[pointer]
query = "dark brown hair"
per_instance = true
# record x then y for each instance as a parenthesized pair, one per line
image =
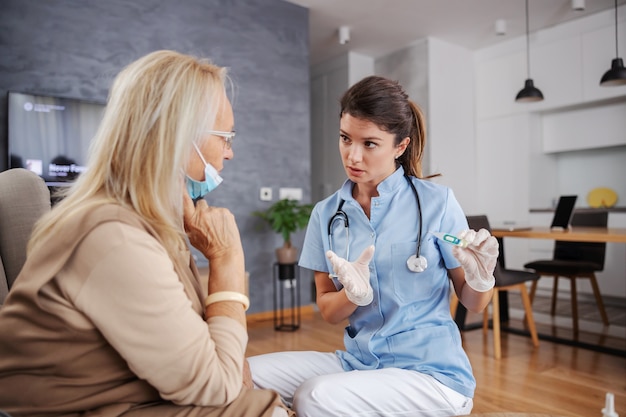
(384, 103)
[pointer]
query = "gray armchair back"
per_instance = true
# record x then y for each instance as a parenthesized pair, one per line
(24, 198)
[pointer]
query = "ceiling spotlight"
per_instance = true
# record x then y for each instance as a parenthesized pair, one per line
(344, 35)
(500, 27)
(578, 5)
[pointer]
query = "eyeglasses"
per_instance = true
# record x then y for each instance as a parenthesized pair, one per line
(227, 136)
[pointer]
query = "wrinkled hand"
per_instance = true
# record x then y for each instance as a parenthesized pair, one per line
(354, 276)
(211, 230)
(478, 259)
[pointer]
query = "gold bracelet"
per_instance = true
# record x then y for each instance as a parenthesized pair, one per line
(216, 297)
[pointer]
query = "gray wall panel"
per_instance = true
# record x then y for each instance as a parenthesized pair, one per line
(74, 48)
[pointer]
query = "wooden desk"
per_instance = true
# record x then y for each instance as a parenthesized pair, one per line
(575, 234)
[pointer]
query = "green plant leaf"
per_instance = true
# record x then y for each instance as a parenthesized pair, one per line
(286, 217)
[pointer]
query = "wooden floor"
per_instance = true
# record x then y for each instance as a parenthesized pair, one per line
(553, 379)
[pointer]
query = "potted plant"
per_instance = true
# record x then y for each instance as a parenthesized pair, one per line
(286, 217)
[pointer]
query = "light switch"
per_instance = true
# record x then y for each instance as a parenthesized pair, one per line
(290, 194)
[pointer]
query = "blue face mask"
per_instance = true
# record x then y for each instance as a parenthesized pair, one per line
(198, 189)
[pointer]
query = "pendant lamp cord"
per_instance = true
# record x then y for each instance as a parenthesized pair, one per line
(616, 49)
(528, 43)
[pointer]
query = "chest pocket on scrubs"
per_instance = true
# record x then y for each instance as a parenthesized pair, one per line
(410, 286)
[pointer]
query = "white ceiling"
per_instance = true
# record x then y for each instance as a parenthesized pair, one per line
(378, 27)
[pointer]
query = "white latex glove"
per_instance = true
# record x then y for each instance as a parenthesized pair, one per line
(478, 258)
(354, 276)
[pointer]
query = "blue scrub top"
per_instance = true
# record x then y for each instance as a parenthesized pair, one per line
(408, 325)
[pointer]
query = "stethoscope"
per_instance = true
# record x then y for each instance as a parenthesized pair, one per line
(415, 263)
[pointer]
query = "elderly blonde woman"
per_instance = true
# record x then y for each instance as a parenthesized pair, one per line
(108, 317)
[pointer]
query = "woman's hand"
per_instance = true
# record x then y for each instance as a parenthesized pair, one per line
(211, 230)
(354, 276)
(478, 258)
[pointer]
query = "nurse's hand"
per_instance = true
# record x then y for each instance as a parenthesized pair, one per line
(354, 276)
(478, 258)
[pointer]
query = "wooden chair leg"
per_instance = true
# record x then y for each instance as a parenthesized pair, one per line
(529, 314)
(555, 290)
(531, 297)
(486, 321)
(574, 299)
(495, 324)
(599, 302)
(533, 290)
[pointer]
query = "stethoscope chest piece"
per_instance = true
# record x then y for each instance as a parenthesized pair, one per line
(417, 263)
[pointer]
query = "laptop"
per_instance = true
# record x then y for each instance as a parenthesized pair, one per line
(563, 213)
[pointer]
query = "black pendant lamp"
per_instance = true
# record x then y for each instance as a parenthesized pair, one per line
(529, 93)
(617, 74)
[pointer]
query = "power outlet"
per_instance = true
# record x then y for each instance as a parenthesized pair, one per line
(265, 194)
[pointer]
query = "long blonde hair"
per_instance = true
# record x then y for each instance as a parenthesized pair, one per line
(157, 106)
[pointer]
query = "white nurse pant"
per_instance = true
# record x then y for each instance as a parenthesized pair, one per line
(316, 385)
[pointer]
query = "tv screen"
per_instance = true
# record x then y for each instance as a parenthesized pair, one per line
(51, 135)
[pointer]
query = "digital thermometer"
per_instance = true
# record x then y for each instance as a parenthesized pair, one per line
(451, 239)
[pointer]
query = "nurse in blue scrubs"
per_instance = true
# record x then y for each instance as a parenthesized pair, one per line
(378, 265)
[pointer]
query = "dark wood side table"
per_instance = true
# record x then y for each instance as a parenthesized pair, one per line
(286, 289)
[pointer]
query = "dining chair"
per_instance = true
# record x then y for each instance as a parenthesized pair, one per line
(573, 260)
(506, 279)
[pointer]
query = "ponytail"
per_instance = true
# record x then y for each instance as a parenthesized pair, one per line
(411, 159)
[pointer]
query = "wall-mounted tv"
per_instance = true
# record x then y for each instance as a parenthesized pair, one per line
(51, 135)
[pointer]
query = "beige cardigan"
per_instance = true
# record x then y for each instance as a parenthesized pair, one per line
(100, 319)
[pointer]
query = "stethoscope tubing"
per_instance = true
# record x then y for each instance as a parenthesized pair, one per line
(340, 214)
